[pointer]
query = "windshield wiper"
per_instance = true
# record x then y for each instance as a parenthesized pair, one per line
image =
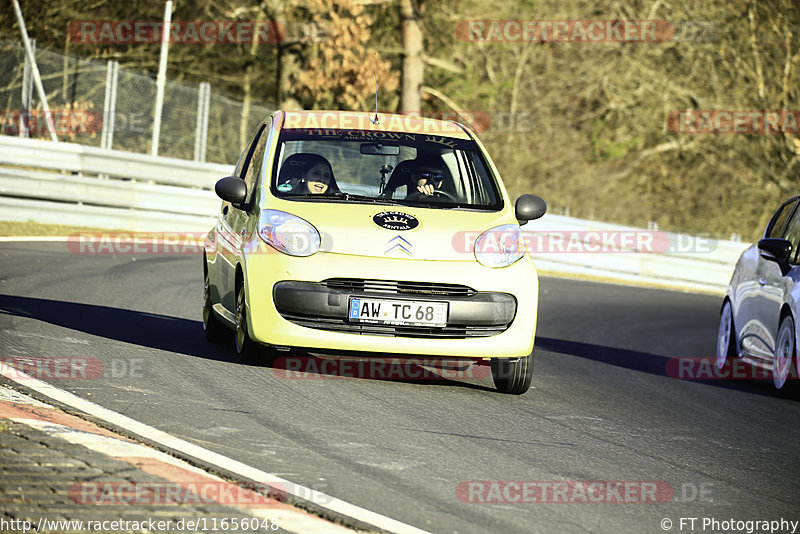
(422, 203)
(347, 197)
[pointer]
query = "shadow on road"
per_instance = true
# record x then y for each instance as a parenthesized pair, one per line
(701, 370)
(151, 330)
(185, 336)
(409, 369)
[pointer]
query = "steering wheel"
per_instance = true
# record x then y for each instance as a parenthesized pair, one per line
(444, 194)
(437, 193)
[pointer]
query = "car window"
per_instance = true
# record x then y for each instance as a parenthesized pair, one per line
(777, 224)
(244, 159)
(254, 168)
(793, 235)
(362, 168)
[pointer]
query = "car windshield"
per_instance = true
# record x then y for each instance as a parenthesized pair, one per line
(383, 167)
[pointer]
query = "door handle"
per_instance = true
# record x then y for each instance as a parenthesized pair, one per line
(762, 281)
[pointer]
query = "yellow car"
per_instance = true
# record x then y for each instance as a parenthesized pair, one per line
(380, 234)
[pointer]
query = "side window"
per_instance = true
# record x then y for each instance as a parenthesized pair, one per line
(778, 221)
(793, 235)
(254, 168)
(247, 153)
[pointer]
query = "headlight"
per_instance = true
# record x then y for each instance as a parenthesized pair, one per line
(288, 233)
(500, 247)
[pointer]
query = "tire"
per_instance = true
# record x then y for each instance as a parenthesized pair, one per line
(513, 375)
(726, 335)
(216, 332)
(250, 352)
(784, 352)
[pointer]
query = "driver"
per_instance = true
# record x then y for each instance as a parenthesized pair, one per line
(428, 178)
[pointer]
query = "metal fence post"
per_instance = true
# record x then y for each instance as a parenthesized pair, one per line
(110, 105)
(27, 94)
(201, 131)
(161, 79)
(37, 79)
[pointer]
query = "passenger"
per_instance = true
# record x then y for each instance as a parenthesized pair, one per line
(307, 174)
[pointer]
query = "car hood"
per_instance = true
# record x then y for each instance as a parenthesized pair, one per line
(391, 231)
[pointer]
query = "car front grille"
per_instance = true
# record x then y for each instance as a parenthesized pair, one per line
(398, 287)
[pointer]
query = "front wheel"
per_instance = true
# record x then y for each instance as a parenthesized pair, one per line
(248, 350)
(513, 375)
(784, 352)
(213, 327)
(726, 349)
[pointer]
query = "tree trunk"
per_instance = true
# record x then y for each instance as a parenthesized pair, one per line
(413, 66)
(247, 91)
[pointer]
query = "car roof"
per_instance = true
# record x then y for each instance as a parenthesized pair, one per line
(352, 120)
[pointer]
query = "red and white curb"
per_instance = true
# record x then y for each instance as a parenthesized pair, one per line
(26, 410)
(15, 406)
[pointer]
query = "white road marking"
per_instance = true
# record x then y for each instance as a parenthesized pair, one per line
(55, 239)
(300, 521)
(167, 440)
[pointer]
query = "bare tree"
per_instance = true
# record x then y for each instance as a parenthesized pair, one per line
(413, 65)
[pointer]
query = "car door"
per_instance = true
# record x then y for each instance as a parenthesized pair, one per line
(763, 310)
(779, 288)
(232, 223)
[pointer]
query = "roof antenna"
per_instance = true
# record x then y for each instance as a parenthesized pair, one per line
(376, 120)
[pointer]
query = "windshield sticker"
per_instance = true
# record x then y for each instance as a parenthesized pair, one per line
(283, 188)
(403, 138)
(446, 141)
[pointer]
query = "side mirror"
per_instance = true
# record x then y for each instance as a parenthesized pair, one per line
(529, 207)
(777, 250)
(231, 189)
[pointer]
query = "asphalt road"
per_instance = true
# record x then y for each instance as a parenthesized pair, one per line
(603, 406)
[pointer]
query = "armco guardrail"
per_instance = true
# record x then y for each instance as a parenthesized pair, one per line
(90, 160)
(63, 183)
(678, 260)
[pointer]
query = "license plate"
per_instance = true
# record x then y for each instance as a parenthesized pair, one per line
(398, 312)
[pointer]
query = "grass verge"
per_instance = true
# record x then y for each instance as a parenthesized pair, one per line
(29, 228)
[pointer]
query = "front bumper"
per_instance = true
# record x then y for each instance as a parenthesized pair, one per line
(293, 304)
(324, 305)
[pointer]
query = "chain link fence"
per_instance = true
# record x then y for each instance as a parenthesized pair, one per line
(76, 88)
